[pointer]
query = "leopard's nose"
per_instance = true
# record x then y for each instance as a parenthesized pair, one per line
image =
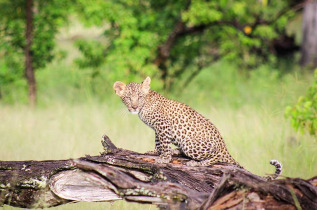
(134, 103)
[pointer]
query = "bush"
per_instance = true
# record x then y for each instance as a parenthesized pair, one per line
(304, 114)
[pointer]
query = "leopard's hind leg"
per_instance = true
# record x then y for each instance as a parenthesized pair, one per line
(214, 159)
(206, 162)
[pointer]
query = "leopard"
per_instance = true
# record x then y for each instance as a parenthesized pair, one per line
(176, 123)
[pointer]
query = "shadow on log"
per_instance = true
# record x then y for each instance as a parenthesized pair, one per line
(122, 174)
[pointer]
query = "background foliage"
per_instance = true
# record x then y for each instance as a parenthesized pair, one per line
(48, 17)
(238, 31)
(304, 114)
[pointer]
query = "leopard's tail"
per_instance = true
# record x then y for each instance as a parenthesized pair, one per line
(278, 169)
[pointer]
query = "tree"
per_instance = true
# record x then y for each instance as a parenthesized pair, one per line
(309, 42)
(176, 39)
(304, 114)
(29, 70)
(28, 29)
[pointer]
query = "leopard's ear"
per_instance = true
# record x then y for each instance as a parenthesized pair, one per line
(145, 86)
(119, 88)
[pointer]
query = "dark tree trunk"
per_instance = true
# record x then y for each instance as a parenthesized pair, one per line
(309, 43)
(164, 51)
(122, 174)
(29, 70)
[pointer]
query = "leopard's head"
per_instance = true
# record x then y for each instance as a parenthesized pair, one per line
(133, 94)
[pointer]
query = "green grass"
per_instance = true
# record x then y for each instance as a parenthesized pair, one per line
(63, 131)
(72, 116)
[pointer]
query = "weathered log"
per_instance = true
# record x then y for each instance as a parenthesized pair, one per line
(122, 174)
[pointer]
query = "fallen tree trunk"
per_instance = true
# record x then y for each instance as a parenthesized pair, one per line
(123, 174)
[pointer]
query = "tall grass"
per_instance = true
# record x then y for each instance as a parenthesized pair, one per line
(72, 116)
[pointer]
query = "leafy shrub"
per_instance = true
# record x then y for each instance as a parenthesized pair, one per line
(304, 114)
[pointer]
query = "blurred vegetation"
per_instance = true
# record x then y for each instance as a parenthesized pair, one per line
(304, 114)
(48, 17)
(168, 40)
(174, 40)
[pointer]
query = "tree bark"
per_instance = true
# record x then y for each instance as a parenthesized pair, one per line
(164, 51)
(29, 69)
(122, 174)
(309, 42)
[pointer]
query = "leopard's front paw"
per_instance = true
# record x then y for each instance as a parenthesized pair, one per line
(192, 163)
(163, 160)
(176, 152)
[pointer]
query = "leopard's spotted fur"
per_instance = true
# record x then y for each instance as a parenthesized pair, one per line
(176, 123)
